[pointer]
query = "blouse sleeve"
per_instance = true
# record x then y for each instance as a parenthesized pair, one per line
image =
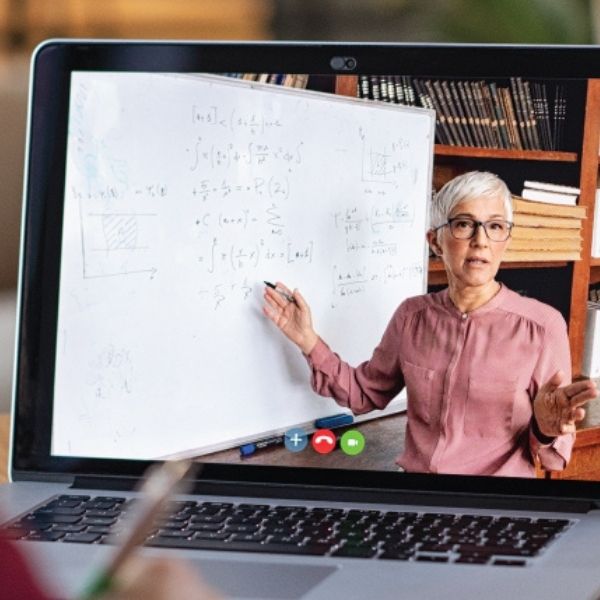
(371, 385)
(554, 355)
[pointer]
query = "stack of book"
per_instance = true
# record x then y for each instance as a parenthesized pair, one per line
(545, 231)
(516, 114)
(550, 192)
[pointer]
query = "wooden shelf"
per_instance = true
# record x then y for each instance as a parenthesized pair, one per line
(471, 152)
(595, 262)
(436, 265)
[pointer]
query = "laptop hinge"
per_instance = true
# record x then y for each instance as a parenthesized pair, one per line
(372, 496)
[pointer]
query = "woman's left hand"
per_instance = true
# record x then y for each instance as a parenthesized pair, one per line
(557, 407)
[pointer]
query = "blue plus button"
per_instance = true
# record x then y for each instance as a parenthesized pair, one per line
(296, 439)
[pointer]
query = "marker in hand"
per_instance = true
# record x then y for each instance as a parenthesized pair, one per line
(281, 292)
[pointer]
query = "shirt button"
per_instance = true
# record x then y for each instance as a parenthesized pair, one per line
(464, 316)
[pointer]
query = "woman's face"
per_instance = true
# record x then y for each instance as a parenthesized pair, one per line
(472, 262)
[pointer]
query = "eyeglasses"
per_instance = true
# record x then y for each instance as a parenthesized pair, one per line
(464, 228)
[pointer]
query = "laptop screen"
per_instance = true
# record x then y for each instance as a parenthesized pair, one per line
(360, 259)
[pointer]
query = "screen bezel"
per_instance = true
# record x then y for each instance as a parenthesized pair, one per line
(52, 64)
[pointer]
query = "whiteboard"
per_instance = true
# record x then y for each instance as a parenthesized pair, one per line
(182, 194)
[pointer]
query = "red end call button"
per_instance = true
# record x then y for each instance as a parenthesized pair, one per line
(323, 441)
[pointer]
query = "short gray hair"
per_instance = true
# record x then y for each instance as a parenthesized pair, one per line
(474, 184)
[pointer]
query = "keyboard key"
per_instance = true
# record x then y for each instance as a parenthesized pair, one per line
(68, 528)
(79, 498)
(102, 530)
(201, 544)
(248, 537)
(205, 526)
(211, 535)
(509, 562)
(356, 551)
(109, 514)
(432, 558)
(208, 518)
(60, 510)
(241, 528)
(98, 521)
(387, 555)
(45, 536)
(473, 559)
(82, 538)
(175, 534)
(49, 518)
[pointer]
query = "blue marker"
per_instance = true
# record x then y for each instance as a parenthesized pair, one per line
(335, 421)
(251, 448)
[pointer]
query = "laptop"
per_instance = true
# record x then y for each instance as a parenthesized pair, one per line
(158, 176)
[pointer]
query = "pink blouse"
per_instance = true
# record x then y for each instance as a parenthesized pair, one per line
(471, 379)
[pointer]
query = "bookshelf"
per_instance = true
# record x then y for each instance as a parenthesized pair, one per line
(583, 164)
(501, 153)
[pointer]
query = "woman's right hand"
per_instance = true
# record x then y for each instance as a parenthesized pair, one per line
(292, 318)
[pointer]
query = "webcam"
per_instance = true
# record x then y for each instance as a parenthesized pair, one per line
(343, 63)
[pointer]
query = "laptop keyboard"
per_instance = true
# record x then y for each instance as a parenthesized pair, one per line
(299, 530)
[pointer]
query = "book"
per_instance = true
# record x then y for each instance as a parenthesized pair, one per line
(552, 187)
(546, 221)
(480, 113)
(301, 80)
(544, 233)
(568, 244)
(590, 366)
(523, 205)
(550, 197)
(595, 251)
(540, 255)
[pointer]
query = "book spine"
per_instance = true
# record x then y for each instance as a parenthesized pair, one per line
(454, 113)
(485, 117)
(489, 108)
(399, 89)
(468, 113)
(409, 92)
(441, 127)
(512, 119)
(468, 92)
(526, 115)
(538, 107)
(500, 116)
(363, 86)
(375, 92)
(439, 94)
(531, 116)
(518, 113)
(383, 88)
(391, 90)
(462, 113)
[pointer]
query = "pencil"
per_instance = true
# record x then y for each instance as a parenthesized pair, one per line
(157, 489)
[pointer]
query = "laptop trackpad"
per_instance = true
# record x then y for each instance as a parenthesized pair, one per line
(262, 580)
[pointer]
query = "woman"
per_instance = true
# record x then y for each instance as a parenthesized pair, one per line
(487, 372)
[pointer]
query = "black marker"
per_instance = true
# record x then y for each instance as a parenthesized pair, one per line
(281, 292)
